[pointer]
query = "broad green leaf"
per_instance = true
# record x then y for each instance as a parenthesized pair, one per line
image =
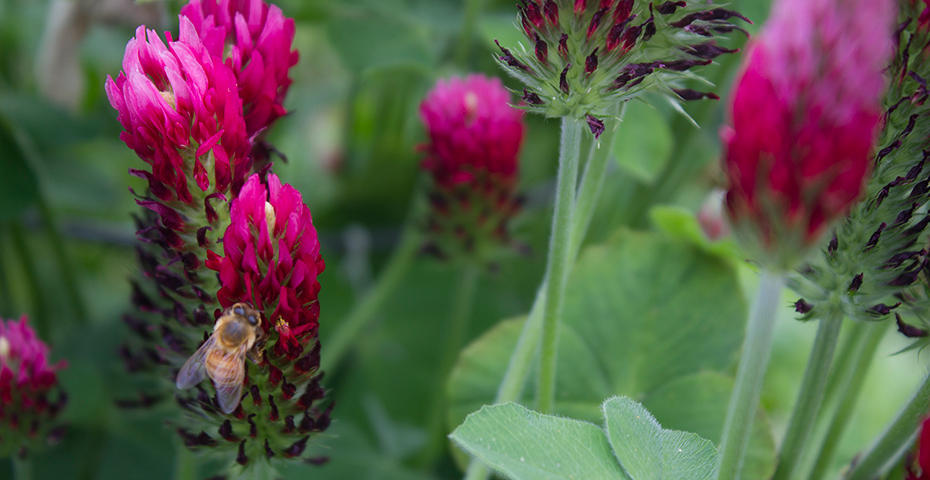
(644, 142)
(525, 445)
(646, 451)
(698, 403)
(642, 312)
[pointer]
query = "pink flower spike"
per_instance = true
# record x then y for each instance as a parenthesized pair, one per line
(256, 45)
(805, 112)
(176, 103)
(271, 236)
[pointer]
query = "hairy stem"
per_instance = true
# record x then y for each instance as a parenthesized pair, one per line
(810, 396)
(753, 362)
(511, 387)
(896, 439)
(558, 265)
(866, 336)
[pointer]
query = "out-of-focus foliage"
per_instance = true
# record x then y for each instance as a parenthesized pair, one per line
(66, 234)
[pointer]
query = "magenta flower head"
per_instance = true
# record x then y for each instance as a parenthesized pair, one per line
(472, 156)
(182, 115)
(30, 397)
(583, 56)
(255, 40)
(805, 114)
(917, 467)
(271, 262)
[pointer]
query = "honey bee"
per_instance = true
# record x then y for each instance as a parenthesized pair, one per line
(222, 356)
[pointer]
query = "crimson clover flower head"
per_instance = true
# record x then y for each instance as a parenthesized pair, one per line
(583, 56)
(472, 128)
(182, 115)
(255, 40)
(272, 260)
(805, 113)
(27, 382)
(472, 156)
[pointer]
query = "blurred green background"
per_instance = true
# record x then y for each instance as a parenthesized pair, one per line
(66, 234)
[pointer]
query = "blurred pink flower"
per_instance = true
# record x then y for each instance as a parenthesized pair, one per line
(923, 454)
(805, 113)
(182, 115)
(272, 260)
(26, 381)
(255, 40)
(473, 153)
(472, 128)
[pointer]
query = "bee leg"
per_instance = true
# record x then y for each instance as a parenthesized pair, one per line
(255, 355)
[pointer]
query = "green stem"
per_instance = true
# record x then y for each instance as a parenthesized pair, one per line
(470, 19)
(558, 265)
(6, 296)
(22, 468)
(511, 387)
(753, 362)
(896, 439)
(64, 263)
(39, 309)
(866, 336)
(185, 464)
(592, 181)
(458, 329)
(810, 396)
(367, 309)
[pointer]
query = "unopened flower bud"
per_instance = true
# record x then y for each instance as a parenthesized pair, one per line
(610, 34)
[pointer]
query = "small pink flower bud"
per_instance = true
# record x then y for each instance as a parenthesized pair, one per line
(475, 137)
(30, 397)
(805, 113)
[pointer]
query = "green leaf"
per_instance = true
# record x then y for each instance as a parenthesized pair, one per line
(644, 142)
(368, 39)
(642, 312)
(19, 187)
(648, 452)
(681, 223)
(524, 444)
(503, 28)
(698, 403)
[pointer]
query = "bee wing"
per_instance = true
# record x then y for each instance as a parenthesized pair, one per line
(228, 374)
(194, 371)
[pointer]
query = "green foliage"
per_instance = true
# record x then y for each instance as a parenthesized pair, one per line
(526, 445)
(646, 316)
